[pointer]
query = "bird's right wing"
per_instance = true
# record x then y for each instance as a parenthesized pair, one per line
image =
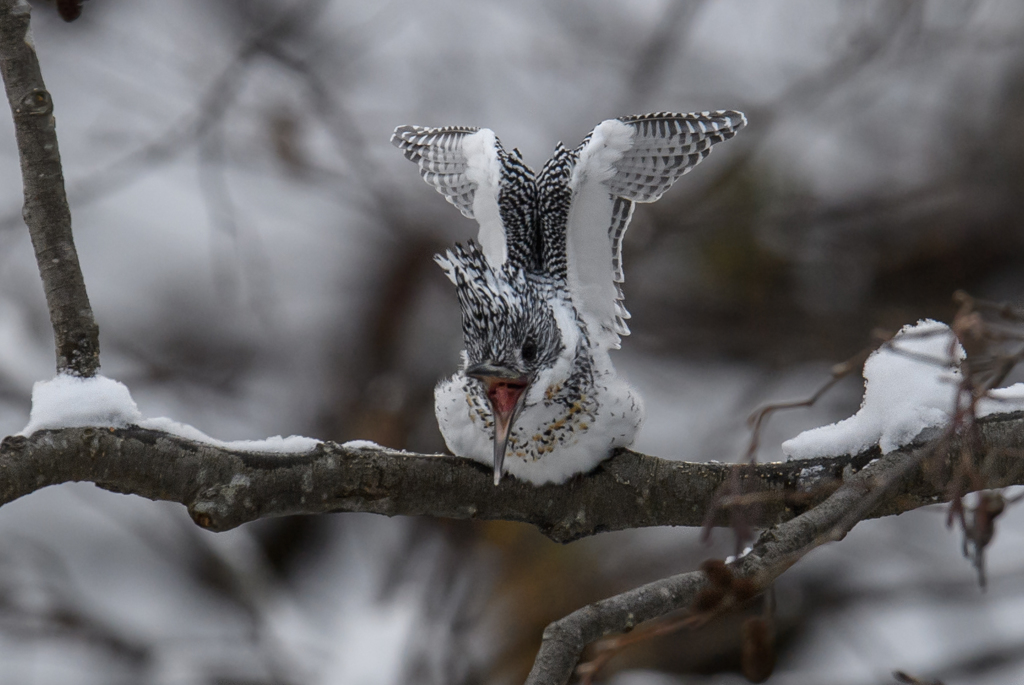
(473, 172)
(622, 162)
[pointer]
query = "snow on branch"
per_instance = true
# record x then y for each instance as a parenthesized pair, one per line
(224, 486)
(912, 383)
(90, 429)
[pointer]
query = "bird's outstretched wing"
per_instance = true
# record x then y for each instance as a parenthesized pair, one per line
(473, 172)
(624, 161)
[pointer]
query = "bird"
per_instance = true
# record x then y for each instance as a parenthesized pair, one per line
(540, 289)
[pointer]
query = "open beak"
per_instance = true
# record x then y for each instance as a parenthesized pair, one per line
(506, 393)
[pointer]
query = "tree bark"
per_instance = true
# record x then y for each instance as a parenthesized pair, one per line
(223, 488)
(46, 211)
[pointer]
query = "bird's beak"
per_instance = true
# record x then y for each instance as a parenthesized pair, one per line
(506, 393)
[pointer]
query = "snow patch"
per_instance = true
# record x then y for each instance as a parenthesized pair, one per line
(362, 445)
(733, 559)
(812, 472)
(810, 476)
(70, 402)
(909, 385)
(293, 444)
(1002, 400)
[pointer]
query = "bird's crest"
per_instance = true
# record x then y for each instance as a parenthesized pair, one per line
(503, 310)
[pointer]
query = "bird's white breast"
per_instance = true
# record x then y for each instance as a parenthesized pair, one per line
(553, 438)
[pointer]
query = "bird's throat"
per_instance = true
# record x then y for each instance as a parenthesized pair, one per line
(504, 396)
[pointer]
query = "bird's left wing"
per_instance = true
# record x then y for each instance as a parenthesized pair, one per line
(469, 167)
(624, 161)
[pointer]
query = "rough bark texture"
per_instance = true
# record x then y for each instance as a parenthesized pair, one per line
(223, 489)
(46, 207)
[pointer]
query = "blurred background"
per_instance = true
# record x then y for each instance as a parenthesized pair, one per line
(259, 260)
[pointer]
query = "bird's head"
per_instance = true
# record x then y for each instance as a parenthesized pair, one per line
(511, 334)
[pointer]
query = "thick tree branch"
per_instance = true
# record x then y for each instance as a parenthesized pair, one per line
(46, 207)
(224, 489)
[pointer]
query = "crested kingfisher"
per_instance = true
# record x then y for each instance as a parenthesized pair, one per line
(540, 290)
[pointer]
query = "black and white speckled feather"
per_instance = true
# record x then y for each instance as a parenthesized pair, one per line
(554, 201)
(541, 294)
(502, 310)
(438, 153)
(476, 174)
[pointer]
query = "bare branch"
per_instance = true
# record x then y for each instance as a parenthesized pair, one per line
(46, 206)
(776, 550)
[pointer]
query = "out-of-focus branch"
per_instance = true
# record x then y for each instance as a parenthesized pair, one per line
(46, 206)
(776, 550)
(182, 134)
(668, 39)
(224, 489)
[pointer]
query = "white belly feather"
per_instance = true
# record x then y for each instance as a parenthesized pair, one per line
(552, 439)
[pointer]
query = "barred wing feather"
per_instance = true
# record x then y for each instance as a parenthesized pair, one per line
(622, 162)
(464, 165)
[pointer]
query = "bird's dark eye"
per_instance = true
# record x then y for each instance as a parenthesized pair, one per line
(529, 351)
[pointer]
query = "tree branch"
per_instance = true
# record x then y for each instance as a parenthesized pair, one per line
(224, 489)
(884, 480)
(46, 207)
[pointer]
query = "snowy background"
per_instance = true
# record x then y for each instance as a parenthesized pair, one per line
(258, 258)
